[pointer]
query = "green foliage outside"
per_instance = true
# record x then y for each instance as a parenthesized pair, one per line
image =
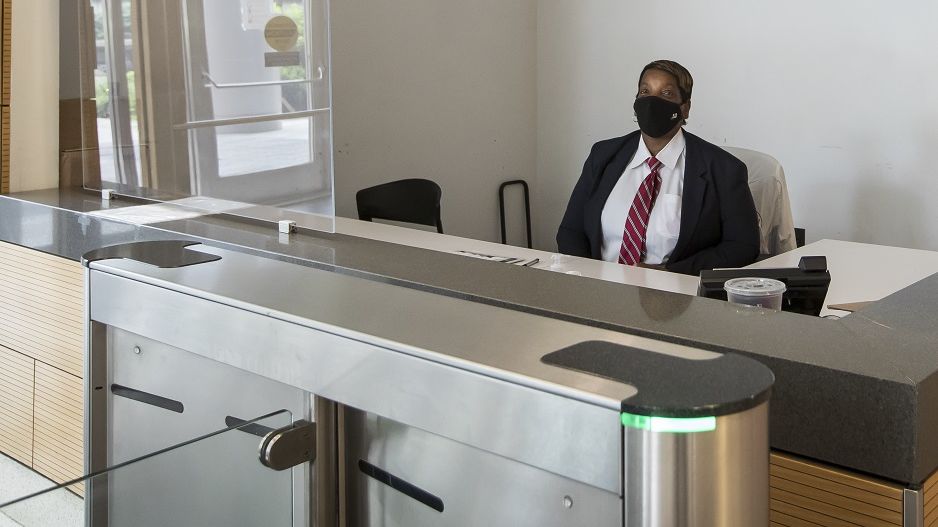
(101, 87)
(103, 95)
(294, 94)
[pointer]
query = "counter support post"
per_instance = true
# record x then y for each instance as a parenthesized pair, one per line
(913, 508)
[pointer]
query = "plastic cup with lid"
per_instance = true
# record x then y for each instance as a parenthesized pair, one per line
(757, 292)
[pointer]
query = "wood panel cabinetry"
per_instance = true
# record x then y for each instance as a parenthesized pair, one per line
(57, 424)
(43, 307)
(16, 405)
(806, 493)
(6, 35)
(930, 499)
(41, 350)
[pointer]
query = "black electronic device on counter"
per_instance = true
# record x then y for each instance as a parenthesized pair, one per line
(806, 285)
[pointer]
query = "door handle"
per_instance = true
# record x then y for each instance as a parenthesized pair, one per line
(210, 123)
(211, 83)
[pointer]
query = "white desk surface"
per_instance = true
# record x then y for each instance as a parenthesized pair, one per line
(859, 272)
(426, 239)
(611, 272)
(862, 272)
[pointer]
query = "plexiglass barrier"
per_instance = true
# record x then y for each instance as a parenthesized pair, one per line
(225, 100)
(213, 480)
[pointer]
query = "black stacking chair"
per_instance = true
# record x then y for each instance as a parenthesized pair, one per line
(407, 200)
(799, 237)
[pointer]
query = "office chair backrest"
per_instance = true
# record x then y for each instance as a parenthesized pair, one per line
(406, 200)
(770, 193)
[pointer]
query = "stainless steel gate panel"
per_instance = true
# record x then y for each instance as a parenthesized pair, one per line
(159, 396)
(212, 395)
(398, 475)
(209, 483)
(409, 389)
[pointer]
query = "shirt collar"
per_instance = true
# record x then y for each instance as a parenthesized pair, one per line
(668, 156)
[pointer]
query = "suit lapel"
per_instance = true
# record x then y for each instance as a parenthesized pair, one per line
(607, 182)
(695, 187)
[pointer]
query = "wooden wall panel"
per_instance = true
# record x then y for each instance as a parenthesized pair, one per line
(16, 405)
(58, 445)
(6, 15)
(42, 322)
(6, 54)
(804, 493)
(42, 316)
(4, 149)
(930, 490)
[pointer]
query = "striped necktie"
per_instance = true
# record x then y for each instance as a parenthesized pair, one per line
(636, 224)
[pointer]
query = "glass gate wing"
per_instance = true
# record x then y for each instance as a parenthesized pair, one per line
(219, 479)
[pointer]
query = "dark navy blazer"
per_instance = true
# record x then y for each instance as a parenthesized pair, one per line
(719, 225)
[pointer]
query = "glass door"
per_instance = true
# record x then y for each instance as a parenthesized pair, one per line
(258, 101)
(222, 100)
(115, 94)
(213, 480)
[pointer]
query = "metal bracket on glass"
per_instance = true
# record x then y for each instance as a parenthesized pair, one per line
(286, 226)
(289, 446)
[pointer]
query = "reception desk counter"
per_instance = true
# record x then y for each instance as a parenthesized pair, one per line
(856, 398)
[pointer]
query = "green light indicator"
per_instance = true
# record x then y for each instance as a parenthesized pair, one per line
(669, 424)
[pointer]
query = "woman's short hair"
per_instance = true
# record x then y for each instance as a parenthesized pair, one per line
(685, 83)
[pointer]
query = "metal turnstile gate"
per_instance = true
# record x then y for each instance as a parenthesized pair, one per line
(428, 410)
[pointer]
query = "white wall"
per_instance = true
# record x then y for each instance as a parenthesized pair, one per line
(471, 94)
(34, 95)
(842, 92)
(438, 89)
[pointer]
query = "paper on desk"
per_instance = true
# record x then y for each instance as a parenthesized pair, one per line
(501, 259)
(851, 306)
(181, 209)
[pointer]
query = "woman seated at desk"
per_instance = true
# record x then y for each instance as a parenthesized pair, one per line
(662, 197)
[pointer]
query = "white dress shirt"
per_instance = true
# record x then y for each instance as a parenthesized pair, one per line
(664, 224)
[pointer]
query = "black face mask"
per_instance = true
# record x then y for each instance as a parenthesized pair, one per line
(657, 116)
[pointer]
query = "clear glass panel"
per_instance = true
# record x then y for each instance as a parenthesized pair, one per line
(285, 145)
(102, 86)
(214, 480)
(117, 123)
(296, 153)
(225, 99)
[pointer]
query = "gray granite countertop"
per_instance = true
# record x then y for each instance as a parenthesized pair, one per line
(860, 392)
